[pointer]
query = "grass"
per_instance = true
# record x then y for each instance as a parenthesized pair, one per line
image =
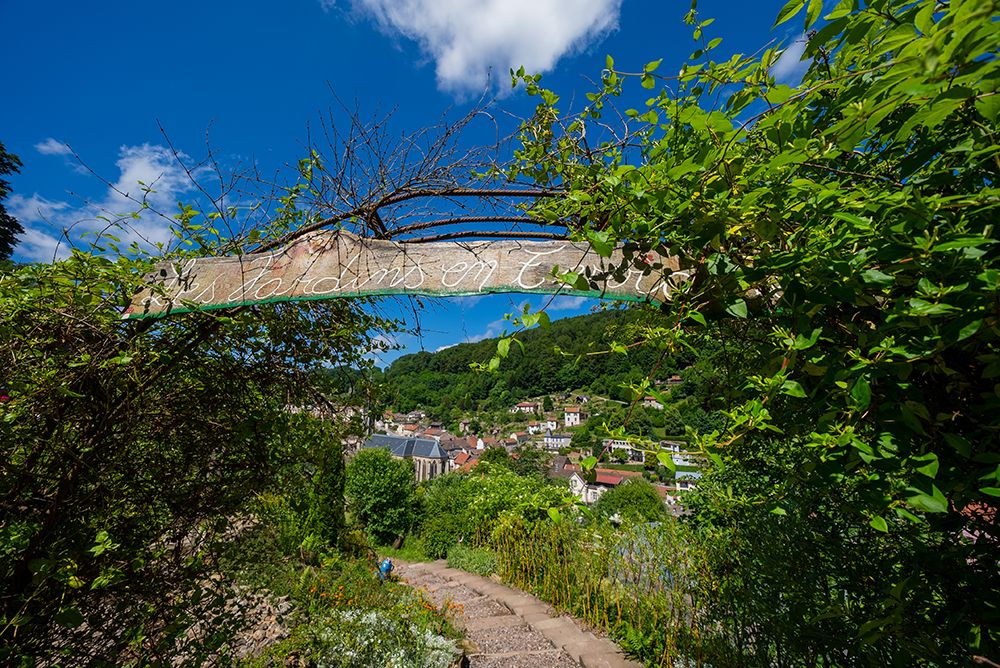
(412, 550)
(478, 560)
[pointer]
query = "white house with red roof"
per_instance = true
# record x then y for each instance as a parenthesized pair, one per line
(573, 416)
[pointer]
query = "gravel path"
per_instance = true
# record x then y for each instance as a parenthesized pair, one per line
(506, 628)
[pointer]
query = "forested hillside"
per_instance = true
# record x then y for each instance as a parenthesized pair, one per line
(565, 356)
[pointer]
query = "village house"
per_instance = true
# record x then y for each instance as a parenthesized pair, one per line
(465, 462)
(678, 452)
(408, 429)
(549, 424)
(686, 480)
(525, 407)
(627, 450)
(561, 467)
(651, 402)
(535, 427)
(429, 459)
(591, 492)
(573, 416)
(556, 441)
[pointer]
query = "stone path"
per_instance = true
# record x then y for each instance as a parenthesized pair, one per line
(507, 628)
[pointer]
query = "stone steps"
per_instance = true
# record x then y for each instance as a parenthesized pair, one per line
(507, 628)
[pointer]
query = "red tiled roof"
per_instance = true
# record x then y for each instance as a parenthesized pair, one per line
(607, 479)
(461, 458)
(572, 409)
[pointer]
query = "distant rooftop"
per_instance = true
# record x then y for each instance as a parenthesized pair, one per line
(406, 446)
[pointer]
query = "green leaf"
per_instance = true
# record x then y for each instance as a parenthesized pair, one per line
(503, 347)
(793, 389)
(815, 7)
(861, 394)
(778, 510)
(858, 222)
(963, 242)
(929, 469)
(878, 277)
(666, 460)
(779, 94)
(879, 524)
(788, 11)
(738, 309)
(600, 243)
(588, 463)
(992, 491)
(920, 307)
(554, 515)
(698, 318)
(929, 503)
(69, 617)
(969, 329)
(805, 342)
(961, 446)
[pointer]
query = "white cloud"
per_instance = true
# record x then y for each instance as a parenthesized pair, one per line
(44, 220)
(468, 40)
(790, 67)
(492, 330)
(53, 147)
(566, 303)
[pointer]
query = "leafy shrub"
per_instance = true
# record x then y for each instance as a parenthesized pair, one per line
(440, 533)
(382, 493)
(478, 560)
(635, 500)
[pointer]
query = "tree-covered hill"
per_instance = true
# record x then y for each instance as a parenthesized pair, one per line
(564, 356)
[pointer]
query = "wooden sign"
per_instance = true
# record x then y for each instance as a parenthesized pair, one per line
(329, 265)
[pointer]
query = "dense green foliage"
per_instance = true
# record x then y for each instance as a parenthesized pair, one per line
(466, 508)
(853, 216)
(634, 500)
(443, 382)
(128, 445)
(9, 227)
(381, 493)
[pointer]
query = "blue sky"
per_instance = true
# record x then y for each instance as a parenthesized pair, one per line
(253, 77)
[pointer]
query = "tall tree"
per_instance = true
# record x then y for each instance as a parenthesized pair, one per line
(9, 227)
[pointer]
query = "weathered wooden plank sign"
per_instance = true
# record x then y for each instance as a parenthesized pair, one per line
(327, 265)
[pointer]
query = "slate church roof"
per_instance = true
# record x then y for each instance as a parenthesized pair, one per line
(407, 446)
